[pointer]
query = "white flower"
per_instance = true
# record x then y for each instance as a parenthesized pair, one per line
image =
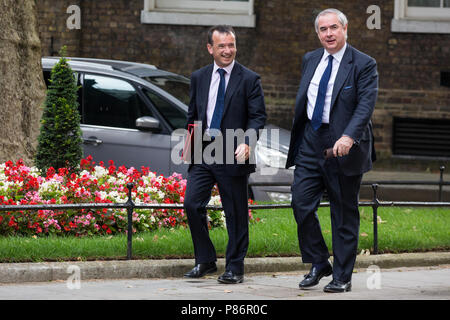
(49, 185)
(84, 172)
(222, 218)
(111, 180)
(102, 194)
(34, 171)
(214, 201)
(152, 190)
(100, 172)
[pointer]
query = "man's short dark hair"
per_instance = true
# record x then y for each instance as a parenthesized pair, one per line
(221, 29)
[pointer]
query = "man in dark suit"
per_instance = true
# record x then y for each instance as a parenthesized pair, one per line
(333, 107)
(224, 97)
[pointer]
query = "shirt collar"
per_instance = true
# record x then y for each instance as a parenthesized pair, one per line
(228, 68)
(337, 56)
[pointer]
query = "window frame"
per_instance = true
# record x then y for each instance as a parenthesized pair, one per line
(145, 92)
(135, 87)
(204, 6)
(420, 19)
(199, 12)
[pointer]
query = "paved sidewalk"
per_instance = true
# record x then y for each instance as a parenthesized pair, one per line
(424, 283)
(129, 269)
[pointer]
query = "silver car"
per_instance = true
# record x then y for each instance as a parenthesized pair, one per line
(129, 112)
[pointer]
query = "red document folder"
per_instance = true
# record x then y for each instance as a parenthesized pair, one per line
(186, 155)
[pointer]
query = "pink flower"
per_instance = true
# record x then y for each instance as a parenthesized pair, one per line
(26, 186)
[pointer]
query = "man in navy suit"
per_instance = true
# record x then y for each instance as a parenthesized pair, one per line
(224, 97)
(333, 108)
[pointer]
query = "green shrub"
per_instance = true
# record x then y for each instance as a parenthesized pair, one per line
(59, 142)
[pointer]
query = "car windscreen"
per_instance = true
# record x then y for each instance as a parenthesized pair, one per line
(176, 86)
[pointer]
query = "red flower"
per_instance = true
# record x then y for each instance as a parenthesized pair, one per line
(50, 172)
(11, 222)
(111, 169)
(63, 171)
(84, 189)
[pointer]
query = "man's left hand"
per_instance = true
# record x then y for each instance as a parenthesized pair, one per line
(242, 152)
(342, 146)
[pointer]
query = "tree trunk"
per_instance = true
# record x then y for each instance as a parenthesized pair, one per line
(22, 88)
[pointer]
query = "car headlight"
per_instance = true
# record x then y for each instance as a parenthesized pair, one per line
(280, 196)
(269, 157)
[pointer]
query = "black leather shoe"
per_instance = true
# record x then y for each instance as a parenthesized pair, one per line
(230, 277)
(338, 286)
(201, 269)
(314, 276)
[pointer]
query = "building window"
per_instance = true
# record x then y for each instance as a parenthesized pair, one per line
(421, 138)
(421, 16)
(238, 13)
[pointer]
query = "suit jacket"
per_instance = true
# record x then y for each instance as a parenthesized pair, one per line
(244, 108)
(352, 103)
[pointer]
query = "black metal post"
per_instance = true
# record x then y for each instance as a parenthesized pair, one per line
(375, 205)
(441, 182)
(130, 207)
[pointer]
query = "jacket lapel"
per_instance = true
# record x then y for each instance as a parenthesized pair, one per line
(233, 84)
(344, 69)
(309, 72)
(205, 83)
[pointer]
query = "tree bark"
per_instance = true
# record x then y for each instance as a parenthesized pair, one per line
(22, 88)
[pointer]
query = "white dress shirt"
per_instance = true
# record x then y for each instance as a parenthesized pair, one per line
(314, 84)
(214, 88)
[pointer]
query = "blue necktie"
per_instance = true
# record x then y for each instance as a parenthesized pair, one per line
(218, 109)
(316, 120)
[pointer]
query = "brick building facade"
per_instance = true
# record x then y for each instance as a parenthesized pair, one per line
(413, 67)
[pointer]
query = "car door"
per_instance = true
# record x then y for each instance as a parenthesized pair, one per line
(176, 119)
(110, 107)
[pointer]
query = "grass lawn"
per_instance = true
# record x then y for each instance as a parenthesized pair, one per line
(399, 230)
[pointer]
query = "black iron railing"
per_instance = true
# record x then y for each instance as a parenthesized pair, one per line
(440, 183)
(129, 205)
(376, 203)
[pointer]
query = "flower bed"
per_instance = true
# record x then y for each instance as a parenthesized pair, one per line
(22, 185)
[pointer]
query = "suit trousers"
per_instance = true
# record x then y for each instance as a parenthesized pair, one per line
(313, 174)
(234, 197)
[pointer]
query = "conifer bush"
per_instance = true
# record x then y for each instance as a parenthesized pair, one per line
(59, 141)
